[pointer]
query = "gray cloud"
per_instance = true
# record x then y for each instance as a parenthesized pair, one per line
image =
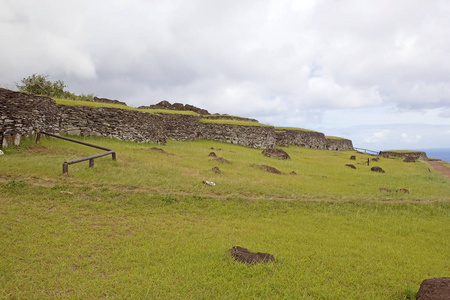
(288, 62)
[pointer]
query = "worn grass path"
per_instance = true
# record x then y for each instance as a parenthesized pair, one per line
(439, 167)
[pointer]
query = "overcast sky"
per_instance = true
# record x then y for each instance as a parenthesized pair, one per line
(376, 72)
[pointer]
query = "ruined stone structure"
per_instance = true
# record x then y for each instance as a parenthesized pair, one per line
(23, 114)
(411, 154)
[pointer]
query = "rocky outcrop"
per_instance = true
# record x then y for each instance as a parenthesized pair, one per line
(106, 100)
(176, 106)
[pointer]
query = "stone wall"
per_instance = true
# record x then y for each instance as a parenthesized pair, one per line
(415, 154)
(338, 144)
(22, 114)
(260, 137)
(115, 123)
(308, 139)
(181, 127)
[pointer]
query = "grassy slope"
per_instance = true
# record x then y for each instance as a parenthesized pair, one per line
(145, 227)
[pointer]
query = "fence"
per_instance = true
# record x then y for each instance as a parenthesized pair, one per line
(366, 151)
(91, 158)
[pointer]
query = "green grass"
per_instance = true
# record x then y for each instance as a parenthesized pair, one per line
(292, 128)
(69, 102)
(145, 226)
(233, 122)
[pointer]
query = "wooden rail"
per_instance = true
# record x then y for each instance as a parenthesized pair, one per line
(91, 158)
(366, 151)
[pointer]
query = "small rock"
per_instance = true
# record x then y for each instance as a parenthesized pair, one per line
(222, 160)
(269, 169)
(410, 159)
(377, 169)
(244, 256)
(212, 154)
(276, 153)
(293, 173)
(1, 152)
(402, 191)
(216, 170)
(353, 157)
(350, 166)
(437, 288)
(375, 159)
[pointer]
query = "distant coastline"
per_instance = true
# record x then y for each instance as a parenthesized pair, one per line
(440, 153)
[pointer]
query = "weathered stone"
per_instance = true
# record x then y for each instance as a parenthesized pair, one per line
(276, 153)
(377, 169)
(375, 159)
(350, 166)
(293, 173)
(417, 154)
(216, 170)
(410, 159)
(402, 191)
(338, 144)
(353, 157)
(244, 256)
(308, 139)
(212, 154)
(269, 169)
(437, 288)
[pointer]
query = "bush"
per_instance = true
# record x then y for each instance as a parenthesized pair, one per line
(40, 85)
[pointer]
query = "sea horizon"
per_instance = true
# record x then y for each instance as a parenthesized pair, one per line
(439, 153)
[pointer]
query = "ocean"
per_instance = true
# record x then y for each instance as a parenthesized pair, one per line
(441, 153)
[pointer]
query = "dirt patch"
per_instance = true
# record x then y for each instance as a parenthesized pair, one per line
(222, 160)
(161, 151)
(439, 167)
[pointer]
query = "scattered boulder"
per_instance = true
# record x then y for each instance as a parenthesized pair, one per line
(293, 173)
(377, 169)
(222, 160)
(385, 190)
(276, 153)
(375, 159)
(269, 169)
(216, 170)
(353, 157)
(402, 191)
(437, 288)
(350, 166)
(212, 154)
(244, 256)
(410, 159)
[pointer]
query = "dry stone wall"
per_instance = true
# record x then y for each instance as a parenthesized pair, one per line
(260, 137)
(338, 144)
(308, 139)
(115, 123)
(22, 114)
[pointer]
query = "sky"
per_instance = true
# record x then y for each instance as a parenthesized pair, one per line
(375, 72)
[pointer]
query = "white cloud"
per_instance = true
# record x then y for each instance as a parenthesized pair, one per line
(316, 64)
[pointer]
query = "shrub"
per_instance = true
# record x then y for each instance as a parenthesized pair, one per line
(40, 85)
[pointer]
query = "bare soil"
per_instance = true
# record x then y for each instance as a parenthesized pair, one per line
(439, 167)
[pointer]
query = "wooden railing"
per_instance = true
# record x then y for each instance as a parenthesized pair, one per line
(65, 166)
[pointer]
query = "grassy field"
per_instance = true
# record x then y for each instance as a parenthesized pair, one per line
(145, 226)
